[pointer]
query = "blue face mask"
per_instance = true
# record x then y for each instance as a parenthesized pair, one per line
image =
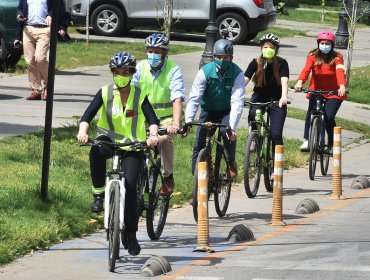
(222, 64)
(325, 48)
(154, 59)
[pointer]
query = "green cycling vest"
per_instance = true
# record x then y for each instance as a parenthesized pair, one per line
(126, 125)
(217, 94)
(158, 90)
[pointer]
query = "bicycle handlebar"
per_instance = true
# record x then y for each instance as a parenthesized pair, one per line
(263, 104)
(137, 145)
(207, 125)
(319, 91)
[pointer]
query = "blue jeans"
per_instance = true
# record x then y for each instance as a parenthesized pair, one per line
(200, 141)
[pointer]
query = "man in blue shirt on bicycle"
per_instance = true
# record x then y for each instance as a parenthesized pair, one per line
(219, 89)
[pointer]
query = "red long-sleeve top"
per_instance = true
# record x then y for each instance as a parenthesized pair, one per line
(324, 76)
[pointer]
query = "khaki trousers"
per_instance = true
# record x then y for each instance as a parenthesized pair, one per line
(166, 148)
(35, 50)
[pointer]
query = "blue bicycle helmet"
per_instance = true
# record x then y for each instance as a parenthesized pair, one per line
(157, 40)
(122, 59)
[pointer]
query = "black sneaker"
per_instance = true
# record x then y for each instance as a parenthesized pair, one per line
(97, 205)
(133, 245)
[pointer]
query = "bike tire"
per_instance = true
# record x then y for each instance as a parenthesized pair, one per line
(314, 146)
(222, 196)
(158, 205)
(202, 156)
(324, 157)
(113, 227)
(268, 167)
(252, 167)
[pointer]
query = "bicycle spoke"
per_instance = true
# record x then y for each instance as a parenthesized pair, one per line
(222, 196)
(252, 167)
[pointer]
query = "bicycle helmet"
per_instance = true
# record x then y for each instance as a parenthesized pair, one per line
(157, 40)
(326, 35)
(270, 38)
(223, 47)
(122, 59)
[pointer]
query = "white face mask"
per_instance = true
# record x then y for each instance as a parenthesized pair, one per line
(325, 48)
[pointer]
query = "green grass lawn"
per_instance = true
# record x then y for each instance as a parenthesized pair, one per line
(76, 53)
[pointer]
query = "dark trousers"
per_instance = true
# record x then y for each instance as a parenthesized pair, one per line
(277, 119)
(331, 108)
(132, 163)
(200, 141)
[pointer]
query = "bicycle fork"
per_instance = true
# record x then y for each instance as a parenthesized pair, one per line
(107, 193)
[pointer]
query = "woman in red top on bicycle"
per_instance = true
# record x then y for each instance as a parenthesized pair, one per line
(327, 69)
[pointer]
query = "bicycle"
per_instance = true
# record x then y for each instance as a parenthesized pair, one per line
(318, 139)
(114, 197)
(218, 168)
(149, 198)
(259, 150)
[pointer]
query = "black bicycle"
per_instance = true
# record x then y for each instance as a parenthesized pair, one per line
(218, 168)
(318, 138)
(259, 152)
(149, 198)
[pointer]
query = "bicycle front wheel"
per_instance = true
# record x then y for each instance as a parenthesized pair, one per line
(222, 196)
(314, 146)
(113, 226)
(252, 167)
(158, 205)
(268, 167)
(203, 156)
(325, 156)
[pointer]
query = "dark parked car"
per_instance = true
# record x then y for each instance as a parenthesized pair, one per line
(9, 55)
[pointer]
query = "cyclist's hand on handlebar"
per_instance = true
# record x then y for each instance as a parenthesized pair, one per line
(298, 86)
(185, 130)
(341, 90)
(233, 135)
(283, 102)
(82, 138)
(173, 128)
(152, 141)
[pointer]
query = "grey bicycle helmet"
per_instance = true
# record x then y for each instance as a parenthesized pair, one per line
(157, 40)
(270, 38)
(223, 47)
(122, 59)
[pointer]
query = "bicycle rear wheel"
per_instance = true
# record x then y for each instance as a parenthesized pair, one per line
(325, 156)
(268, 167)
(252, 167)
(314, 146)
(158, 205)
(113, 226)
(222, 195)
(202, 156)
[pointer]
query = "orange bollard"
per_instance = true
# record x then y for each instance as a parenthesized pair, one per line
(337, 165)
(203, 222)
(277, 207)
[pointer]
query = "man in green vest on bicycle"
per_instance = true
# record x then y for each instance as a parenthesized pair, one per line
(219, 89)
(163, 81)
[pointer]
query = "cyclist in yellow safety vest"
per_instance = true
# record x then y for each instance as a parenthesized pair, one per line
(123, 109)
(163, 81)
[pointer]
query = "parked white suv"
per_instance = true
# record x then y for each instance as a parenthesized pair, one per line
(243, 19)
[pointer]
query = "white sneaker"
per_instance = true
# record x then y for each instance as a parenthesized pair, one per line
(304, 147)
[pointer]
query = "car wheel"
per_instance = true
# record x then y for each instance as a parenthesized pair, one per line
(107, 20)
(234, 25)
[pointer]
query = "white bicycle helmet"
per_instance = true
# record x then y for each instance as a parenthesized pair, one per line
(270, 38)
